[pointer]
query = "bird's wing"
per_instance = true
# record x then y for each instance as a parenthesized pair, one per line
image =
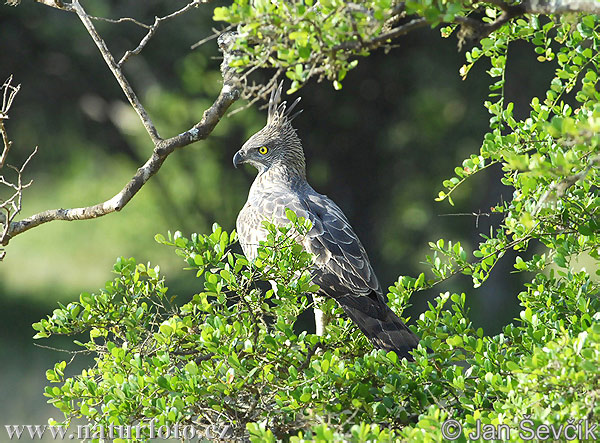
(342, 265)
(343, 270)
(344, 273)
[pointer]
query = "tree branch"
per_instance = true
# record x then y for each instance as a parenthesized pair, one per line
(561, 6)
(560, 187)
(116, 70)
(152, 29)
(122, 20)
(230, 92)
(383, 38)
(474, 30)
(10, 207)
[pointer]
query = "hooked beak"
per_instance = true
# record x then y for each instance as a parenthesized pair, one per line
(238, 159)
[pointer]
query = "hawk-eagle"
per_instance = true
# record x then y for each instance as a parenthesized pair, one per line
(342, 268)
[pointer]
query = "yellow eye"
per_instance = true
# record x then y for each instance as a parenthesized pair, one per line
(263, 150)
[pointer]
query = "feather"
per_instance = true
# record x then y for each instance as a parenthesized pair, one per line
(278, 112)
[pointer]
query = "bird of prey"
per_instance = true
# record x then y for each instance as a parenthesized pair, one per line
(342, 269)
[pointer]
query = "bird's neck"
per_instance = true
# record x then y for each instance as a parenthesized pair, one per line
(279, 175)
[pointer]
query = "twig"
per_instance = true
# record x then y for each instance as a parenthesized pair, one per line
(121, 20)
(215, 34)
(6, 142)
(477, 215)
(258, 92)
(383, 38)
(8, 95)
(10, 207)
(152, 29)
(116, 70)
(309, 355)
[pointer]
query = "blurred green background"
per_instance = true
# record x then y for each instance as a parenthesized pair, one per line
(380, 148)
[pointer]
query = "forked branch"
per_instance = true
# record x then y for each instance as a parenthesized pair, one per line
(230, 92)
(152, 28)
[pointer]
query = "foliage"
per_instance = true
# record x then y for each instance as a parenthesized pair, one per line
(322, 39)
(231, 359)
(230, 356)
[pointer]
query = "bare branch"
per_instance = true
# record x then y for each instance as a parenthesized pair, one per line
(8, 95)
(116, 70)
(214, 35)
(10, 207)
(152, 29)
(121, 20)
(230, 92)
(163, 148)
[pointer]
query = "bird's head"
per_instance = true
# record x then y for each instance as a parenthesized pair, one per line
(277, 144)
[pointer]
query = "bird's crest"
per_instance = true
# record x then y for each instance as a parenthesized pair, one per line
(279, 113)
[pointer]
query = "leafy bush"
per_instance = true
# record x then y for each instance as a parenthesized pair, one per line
(230, 358)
